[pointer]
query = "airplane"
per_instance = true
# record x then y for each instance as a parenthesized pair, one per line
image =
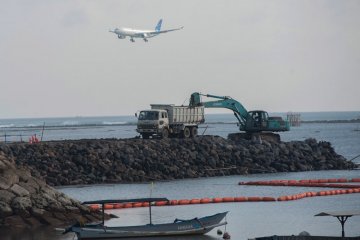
(144, 34)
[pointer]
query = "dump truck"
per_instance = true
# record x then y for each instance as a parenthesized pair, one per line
(168, 120)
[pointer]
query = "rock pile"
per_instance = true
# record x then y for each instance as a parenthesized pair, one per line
(28, 202)
(137, 160)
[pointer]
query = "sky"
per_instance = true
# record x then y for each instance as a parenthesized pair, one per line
(58, 58)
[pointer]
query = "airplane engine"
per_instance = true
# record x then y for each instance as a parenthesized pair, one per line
(121, 37)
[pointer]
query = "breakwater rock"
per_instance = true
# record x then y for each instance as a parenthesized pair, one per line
(137, 160)
(29, 202)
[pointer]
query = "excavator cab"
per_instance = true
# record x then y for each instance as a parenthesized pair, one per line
(257, 121)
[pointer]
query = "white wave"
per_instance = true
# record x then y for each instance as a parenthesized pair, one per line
(70, 123)
(33, 125)
(7, 125)
(113, 123)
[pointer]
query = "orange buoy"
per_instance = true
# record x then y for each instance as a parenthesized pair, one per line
(240, 199)
(332, 180)
(183, 201)
(145, 204)
(349, 190)
(313, 181)
(292, 182)
(356, 190)
(282, 198)
(94, 207)
(228, 199)
(268, 199)
(323, 180)
(137, 204)
(108, 206)
(195, 201)
(322, 193)
(342, 180)
(254, 199)
(355, 180)
(127, 205)
(274, 181)
(174, 202)
(205, 200)
(289, 198)
(217, 200)
(308, 194)
(343, 191)
(117, 205)
(161, 203)
(304, 181)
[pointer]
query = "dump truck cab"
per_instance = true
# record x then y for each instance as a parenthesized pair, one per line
(153, 122)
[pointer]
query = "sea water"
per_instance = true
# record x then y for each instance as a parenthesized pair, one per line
(246, 219)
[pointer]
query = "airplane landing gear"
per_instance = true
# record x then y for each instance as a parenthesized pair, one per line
(132, 40)
(145, 40)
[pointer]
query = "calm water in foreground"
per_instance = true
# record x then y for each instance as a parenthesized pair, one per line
(245, 220)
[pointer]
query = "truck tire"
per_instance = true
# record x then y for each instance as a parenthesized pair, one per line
(186, 133)
(145, 135)
(165, 133)
(194, 132)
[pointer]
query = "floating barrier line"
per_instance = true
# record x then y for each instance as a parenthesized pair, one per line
(328, 183)
(228, 199)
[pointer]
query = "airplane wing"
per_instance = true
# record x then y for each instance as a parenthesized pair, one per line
(165, 31)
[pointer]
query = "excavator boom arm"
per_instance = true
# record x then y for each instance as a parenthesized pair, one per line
(239, 110)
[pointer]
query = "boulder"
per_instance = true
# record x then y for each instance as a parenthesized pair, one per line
(28, 202)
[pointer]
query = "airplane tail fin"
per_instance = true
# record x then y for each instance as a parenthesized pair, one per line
(158, 26)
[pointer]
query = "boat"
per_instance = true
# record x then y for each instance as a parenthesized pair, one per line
(195, 226)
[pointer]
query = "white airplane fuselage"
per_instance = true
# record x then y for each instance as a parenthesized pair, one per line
(134, 33)
(124, 32)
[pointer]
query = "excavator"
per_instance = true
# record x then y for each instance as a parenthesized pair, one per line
(254, 123)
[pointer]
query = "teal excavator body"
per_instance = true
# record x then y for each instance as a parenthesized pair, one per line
(251, 122)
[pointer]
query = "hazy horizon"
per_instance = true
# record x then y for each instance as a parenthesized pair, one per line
(355, 113)
(58, 58)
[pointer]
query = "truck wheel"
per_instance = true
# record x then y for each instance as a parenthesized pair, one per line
(145, 136)
(165, 133)
(186, 133)
(194, 132)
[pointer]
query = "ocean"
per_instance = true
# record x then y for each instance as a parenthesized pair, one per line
(245, 220)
